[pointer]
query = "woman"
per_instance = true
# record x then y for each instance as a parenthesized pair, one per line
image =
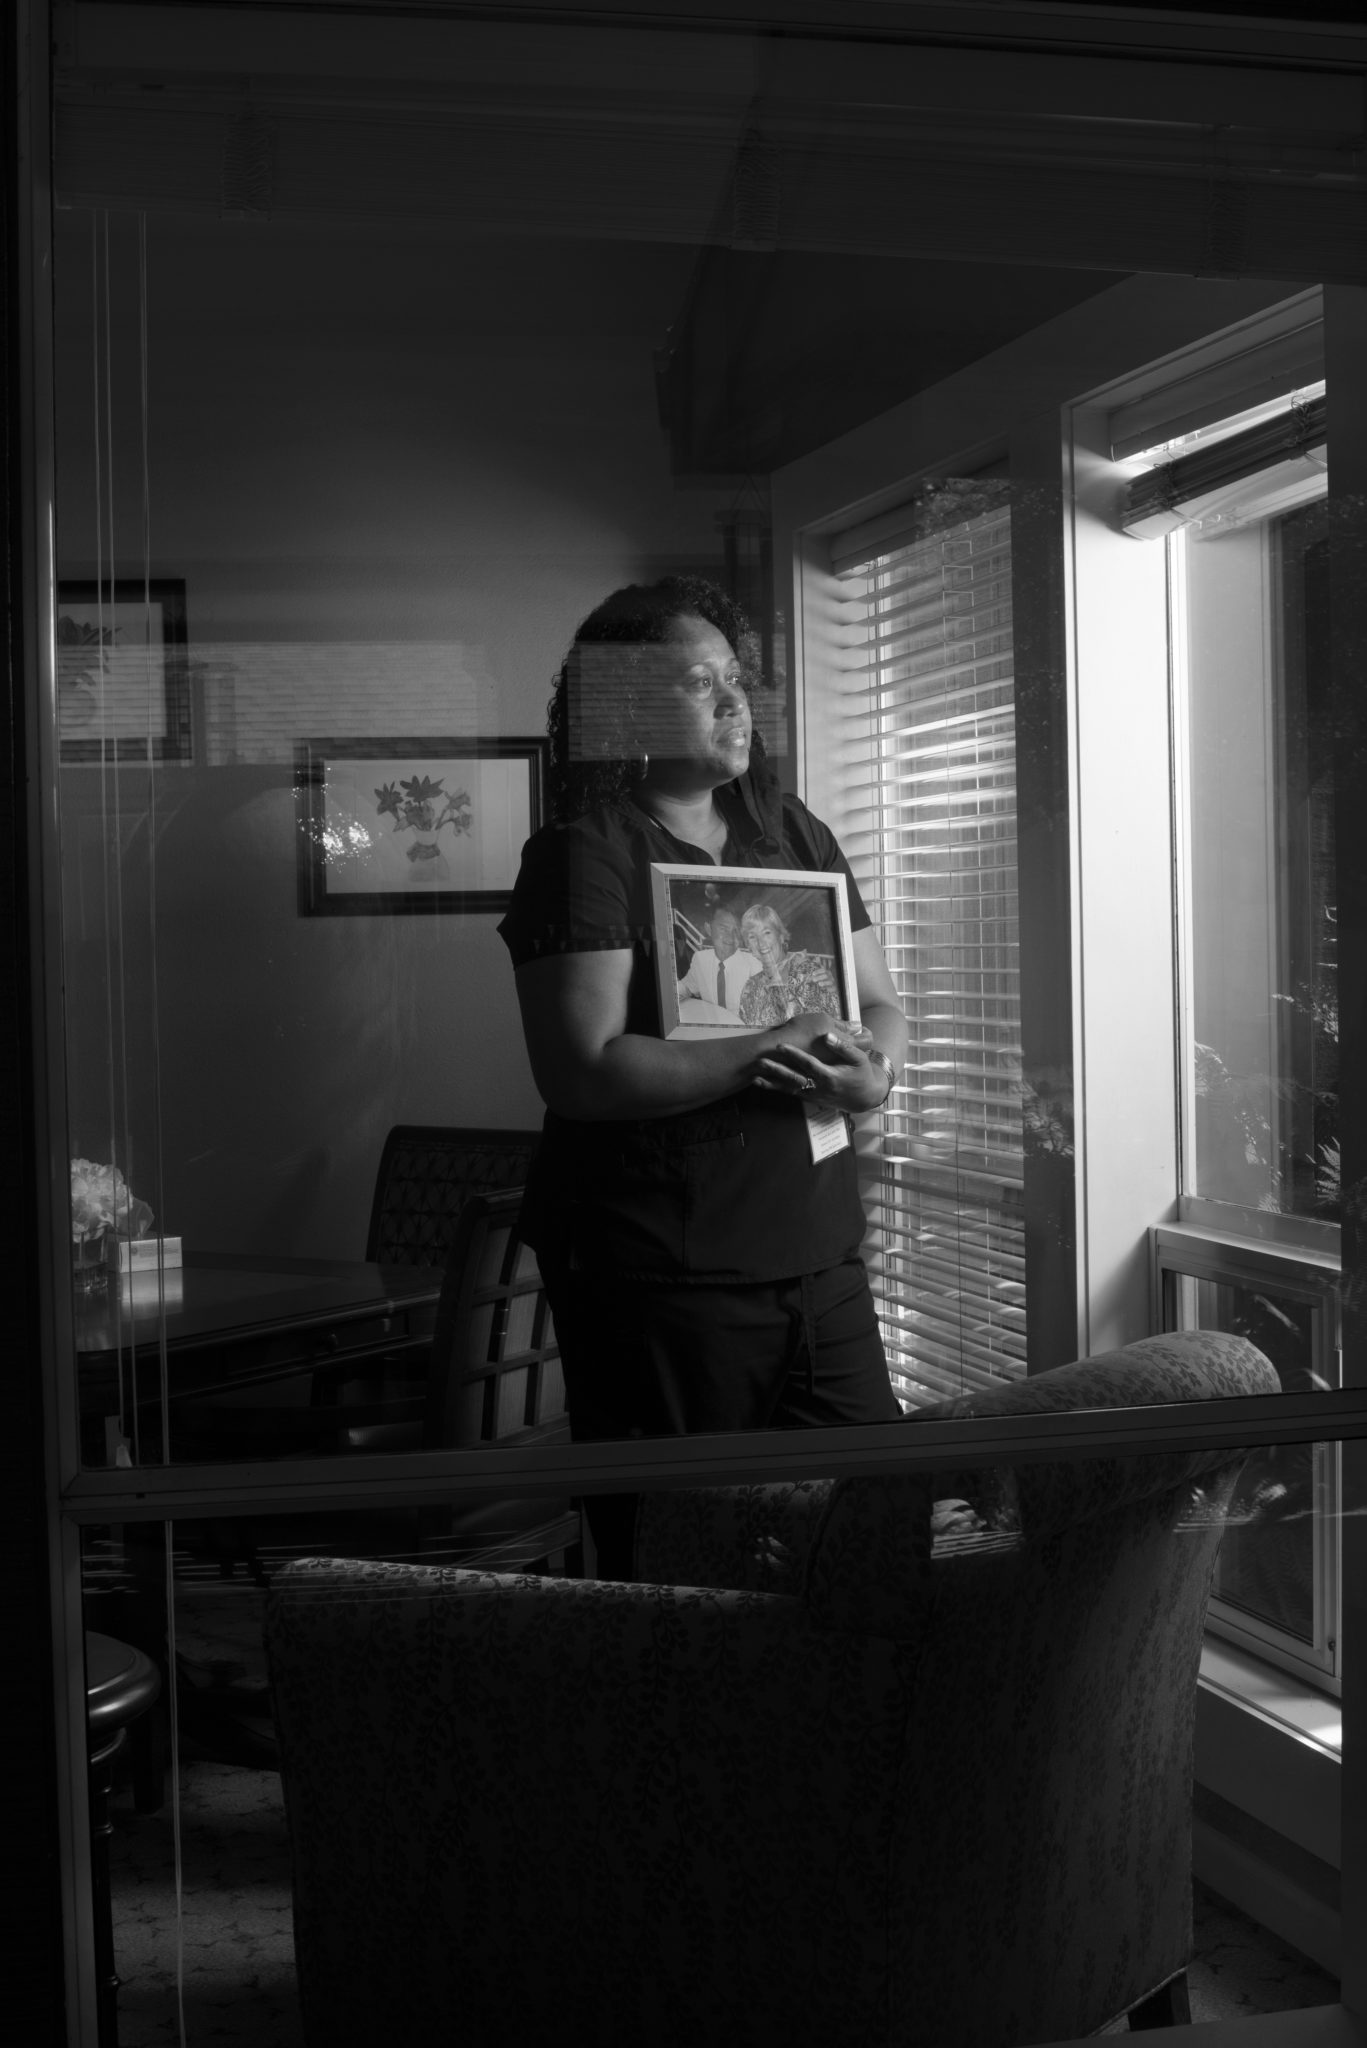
(788, 983)
(702, 1265)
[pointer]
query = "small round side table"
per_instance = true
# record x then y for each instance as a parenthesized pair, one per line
(120, 1684)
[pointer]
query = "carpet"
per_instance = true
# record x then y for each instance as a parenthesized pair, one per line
(239, 1961)
(237, 1930)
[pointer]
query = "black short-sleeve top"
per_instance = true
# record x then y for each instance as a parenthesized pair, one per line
(724, 1193)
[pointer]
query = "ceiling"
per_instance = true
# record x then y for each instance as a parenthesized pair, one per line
(776, 353)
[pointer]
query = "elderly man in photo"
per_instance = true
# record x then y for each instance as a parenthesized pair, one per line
(717, 973)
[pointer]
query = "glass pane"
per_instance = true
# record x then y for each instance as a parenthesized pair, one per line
(1268, 1569)
(1276, 1584)
(373, 388)
(479, 1754)
(341, 467)
(1263, 1057)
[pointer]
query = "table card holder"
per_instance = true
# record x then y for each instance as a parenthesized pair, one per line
(135, 1255)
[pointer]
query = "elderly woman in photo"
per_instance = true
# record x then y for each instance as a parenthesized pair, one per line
(701, 1263)
(788, 983)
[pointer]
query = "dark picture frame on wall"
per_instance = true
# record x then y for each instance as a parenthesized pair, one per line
(399, 827)
(123, 671)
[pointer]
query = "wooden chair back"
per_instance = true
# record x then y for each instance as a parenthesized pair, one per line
(496, 1379)
(426, 1174)
(496, 1375)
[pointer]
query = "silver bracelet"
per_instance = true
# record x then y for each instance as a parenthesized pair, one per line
(880, 1059)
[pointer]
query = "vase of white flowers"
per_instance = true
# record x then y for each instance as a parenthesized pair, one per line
(103, 1209)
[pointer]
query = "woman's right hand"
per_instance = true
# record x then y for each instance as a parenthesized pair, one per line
(589, 1067)
(808, 1032)
(810, 1029)
(817, 1057)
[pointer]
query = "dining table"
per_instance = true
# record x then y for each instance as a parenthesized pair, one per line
(225, 1323)
(166, 1357)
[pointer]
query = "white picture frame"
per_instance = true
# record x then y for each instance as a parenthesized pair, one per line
(815, 955)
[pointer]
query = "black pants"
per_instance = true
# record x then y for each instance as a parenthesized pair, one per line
(675, 1360)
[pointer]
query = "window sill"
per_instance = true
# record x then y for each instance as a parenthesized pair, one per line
(1260, 1230)
(1266, 1823)
(1315, 1261)
(1287, 1704)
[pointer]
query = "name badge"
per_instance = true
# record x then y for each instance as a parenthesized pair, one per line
(827, 1132)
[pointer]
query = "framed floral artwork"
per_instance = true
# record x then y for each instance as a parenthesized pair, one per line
(398, 826)
(123, 673)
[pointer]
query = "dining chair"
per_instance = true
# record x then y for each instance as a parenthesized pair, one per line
(492, 1377)
(427, 1173)
(426, 1176)
(496, 1379)
(375, 1399)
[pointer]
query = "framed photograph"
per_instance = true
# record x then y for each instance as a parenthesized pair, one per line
(123, 673)
(741, 949)
(412, 825)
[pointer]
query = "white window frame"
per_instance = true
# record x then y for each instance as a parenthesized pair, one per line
(1212, 1239)
(1132, 980)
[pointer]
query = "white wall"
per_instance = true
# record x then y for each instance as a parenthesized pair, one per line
(1124, 1034)
(394, 472)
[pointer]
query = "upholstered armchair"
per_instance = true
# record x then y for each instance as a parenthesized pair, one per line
(819, 1777)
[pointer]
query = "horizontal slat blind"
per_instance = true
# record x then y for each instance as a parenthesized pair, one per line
(1157, 500)
(938, 856)
(1257, 361)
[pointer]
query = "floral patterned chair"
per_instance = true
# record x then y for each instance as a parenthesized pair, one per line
(818, 1777)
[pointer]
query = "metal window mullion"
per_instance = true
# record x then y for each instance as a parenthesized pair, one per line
(1234, 1424)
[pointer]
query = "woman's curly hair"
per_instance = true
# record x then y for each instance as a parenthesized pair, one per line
(591, 713)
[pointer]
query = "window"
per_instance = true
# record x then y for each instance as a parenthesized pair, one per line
(1277, 1577)
(1258, 997)
(1227, 626)
(1255, 751)
(932, 767)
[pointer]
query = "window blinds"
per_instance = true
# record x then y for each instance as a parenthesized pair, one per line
(1162, 499)
(944, 1177)
(1252, 363)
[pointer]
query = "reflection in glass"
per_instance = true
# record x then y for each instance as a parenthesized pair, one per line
(1276, 1582)
(1309, 970)
(398, 572)
(372, 379)
(1262, 1062)
(374, 373)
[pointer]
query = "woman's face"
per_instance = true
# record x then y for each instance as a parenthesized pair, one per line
(696, 713)
(766, 943)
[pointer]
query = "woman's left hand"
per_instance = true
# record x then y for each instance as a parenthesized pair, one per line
(843, 1077)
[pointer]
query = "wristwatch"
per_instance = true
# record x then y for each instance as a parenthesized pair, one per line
(880, 1059)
